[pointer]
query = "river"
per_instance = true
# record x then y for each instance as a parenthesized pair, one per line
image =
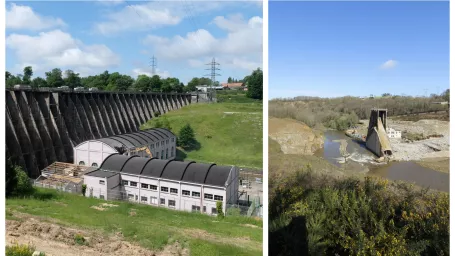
(363, 161)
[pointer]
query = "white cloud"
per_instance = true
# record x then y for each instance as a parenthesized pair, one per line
(148, 72)
(57, 49)
(389, 64)
(23, 17)
(241, 47)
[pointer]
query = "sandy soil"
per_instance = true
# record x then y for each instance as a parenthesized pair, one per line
(294, 137)
(57, 240)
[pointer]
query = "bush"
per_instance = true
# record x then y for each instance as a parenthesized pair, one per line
(186, 136)
(79, 239)
(219, 209)
(19, 250)
(354, 217)
(84, 189)
(17, 181)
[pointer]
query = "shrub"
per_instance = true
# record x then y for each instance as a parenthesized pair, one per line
(79, 239)
(186, 136)
(19, 250)
(84, 189)
(219, 209)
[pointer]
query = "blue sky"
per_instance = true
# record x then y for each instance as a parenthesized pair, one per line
(122, 36)
(331, 49)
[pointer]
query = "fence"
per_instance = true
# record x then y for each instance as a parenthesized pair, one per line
(69, 187)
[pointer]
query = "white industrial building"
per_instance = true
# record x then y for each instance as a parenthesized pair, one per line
(393, 134)
(186, 186)
(157, 143)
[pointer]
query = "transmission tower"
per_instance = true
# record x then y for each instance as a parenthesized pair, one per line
(213, 74)
(153, 63)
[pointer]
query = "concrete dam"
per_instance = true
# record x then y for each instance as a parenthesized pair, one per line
(43, 126)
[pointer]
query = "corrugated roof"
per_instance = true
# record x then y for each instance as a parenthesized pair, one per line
(137, 139)
(209, 174)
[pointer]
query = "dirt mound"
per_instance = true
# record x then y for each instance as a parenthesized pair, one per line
(294, 137)
(58, 240)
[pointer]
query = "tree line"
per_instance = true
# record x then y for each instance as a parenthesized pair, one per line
(342, 112)
(115, 81)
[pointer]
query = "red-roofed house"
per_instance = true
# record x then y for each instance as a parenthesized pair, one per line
(234, 86)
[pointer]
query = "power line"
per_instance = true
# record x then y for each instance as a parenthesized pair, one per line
(153, 64)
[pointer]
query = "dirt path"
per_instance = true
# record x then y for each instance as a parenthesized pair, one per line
(57, 240)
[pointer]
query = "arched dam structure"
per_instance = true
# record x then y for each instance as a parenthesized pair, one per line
(43, 126)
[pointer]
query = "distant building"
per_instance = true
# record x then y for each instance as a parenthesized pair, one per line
(185, 186)
(156, 143)
(234, 86)
(393, 134)
(205, 88)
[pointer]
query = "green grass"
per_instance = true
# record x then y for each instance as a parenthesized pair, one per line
(20, 250)
(224, 138)
(151, 227)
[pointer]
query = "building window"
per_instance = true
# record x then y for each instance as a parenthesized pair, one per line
(102, 197)
(157, 154)
(162, 153)
(130, 196)
(196, 194)
(157, 144)
(152, 146)
(124, 182)
(144, 185)
(136, 197)
(133, 184)
(214, 210)
(185, 192)
(162, 143)
(144, 199)
(95, 165)
(174, 191)
(153, 200)
(218, 198)
(167, 151)
(172, 139)
(208, 196)
(172, 151)
(167, 142)
(171, 203)
(153, 187)
(195, 208)
(101, 182)
(164, 189)
(204, 209)
(81, 163)
(162, 201)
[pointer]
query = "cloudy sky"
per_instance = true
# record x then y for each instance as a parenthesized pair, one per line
(122, 36)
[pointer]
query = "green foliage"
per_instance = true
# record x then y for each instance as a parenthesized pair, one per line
(54, 78)
(254, 84)
(186, 136)
(79, 239)
(234, 96)
(17, 181)
(20, 250)
(353, 217)
(28, 73)
(72, 80)
(413, 136)
(84, 189)
(162, 122)
(219, 209)
(446, 95)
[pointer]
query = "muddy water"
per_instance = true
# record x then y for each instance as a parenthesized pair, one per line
(363, 158)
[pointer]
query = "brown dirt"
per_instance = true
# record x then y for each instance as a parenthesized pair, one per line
(441, 164)
(294, 137)
(57, 240)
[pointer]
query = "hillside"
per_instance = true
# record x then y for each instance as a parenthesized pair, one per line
(53, 221)
(227, 133)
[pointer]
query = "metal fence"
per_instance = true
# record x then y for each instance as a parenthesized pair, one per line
(69, 187)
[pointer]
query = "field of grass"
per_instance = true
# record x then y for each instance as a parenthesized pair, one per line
(234, 96)
(151, 227)
(227, 133)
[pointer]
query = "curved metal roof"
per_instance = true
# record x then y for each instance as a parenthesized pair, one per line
(175, 170)
(218, 175)
(196, 173)
(136, 139)
(115, 162)
(192, 172)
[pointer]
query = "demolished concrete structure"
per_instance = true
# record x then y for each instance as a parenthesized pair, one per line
(377, 140)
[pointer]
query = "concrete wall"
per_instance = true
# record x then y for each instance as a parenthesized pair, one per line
(43, 127)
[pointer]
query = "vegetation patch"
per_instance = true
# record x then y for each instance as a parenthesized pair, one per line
(226, 133)
(320, 215)
(22, 250)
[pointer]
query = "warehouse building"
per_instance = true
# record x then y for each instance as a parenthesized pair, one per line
(153, 143)
(186, 186)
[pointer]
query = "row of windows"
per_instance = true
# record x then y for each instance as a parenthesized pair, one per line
(195, 208)
(162, 143)
(153, 200)
(83, 163)
(172, 190)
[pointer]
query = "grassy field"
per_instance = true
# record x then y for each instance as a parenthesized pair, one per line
(234, 96)
(151, 227)
(227, 133)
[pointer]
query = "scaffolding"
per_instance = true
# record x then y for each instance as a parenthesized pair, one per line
(62, 176)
